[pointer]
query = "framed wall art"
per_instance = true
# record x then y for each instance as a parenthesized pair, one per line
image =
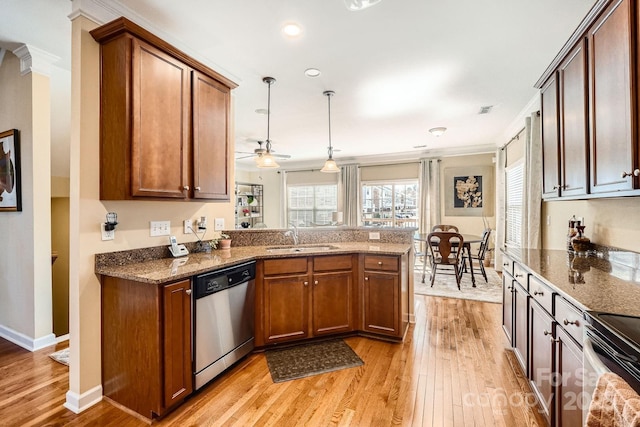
(469, 191)
(10, 200)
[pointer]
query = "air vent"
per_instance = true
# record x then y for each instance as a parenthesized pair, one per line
(486, 109)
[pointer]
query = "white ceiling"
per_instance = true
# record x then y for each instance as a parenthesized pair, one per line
(398, 68)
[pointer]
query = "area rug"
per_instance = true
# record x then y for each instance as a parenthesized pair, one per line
(61, 356)
(445, 286)
(310, 359)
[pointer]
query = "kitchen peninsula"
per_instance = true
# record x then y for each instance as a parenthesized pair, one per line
(334, 282)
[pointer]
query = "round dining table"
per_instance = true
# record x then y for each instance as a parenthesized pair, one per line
(467, 241)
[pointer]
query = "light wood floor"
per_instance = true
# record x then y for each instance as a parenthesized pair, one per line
(452, 370)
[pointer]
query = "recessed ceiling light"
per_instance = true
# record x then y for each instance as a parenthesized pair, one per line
(486, 109)
(292, 30)
(262, 111)
(439, 131)
(312, 72)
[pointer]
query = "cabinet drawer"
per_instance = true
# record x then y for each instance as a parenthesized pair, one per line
(541, 293)
(520, 274)
(332, 263)
(507, 265)
(380, 262)
(285, 266)
(570, 318)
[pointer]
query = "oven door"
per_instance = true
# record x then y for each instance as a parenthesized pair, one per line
(594, 366)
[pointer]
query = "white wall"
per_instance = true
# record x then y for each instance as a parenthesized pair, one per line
(25, 264)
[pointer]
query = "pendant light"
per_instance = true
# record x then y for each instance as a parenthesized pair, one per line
(330, 165)
(266, 160)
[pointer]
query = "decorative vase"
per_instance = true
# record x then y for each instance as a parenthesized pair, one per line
(224, 243)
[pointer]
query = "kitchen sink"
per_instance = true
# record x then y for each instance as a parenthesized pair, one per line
(298, 249)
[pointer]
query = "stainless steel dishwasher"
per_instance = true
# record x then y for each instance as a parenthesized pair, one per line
(223, 319)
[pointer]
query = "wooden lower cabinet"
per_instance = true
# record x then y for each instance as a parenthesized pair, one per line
(521, 326)
(508, 284)
(384, 296)
(569, 379)
(304, 297)
(541, 368)
(146, 344)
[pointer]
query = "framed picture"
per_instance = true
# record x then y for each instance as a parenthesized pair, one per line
(10, 200)
(469, 191)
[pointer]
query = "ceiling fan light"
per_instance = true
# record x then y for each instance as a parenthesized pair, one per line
(355, 5)
(330, 166)
(267, 161)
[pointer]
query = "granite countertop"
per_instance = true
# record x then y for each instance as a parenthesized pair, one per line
(163, 270)
(608, 283)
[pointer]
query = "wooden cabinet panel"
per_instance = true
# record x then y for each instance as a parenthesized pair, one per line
(550, 138)
(611, 99)
(177, 342)
(541, 293)
(146, 344)
(332, 263)
(574, 141)
(541, 365)
(568, 393)
(570, 318)
(381, 303)
(286, 308)
(285, 266)
(507, 306)
(332, 302)
(211, 106)
(521, 326)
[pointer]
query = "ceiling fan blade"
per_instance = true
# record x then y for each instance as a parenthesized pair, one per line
(245, 157)
(281, 156)
(245, 152)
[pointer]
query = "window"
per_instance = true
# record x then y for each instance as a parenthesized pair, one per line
(390, 204)
(310, 205)
(514, 204)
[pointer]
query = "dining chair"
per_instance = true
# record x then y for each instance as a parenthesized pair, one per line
(480, 255)
(441, 245)
(445, 227)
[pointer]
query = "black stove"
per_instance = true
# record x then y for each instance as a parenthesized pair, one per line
(616, 338)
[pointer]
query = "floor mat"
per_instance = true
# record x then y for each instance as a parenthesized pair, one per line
(61, 356)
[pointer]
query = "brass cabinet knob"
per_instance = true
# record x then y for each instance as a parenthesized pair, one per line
(305, 283)
(567, 322)
(185, 188)
(188, 292)
(636, 172)
(366, 278)
(379, 262)
(538, 293)
(315, 282)
(197, 188)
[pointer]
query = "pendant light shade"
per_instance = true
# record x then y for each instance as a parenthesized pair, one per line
(355, 5)
(330, 165)
(266, 160)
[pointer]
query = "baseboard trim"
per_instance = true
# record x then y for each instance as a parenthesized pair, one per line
(31, 344)
(81, 402)
(62, 338)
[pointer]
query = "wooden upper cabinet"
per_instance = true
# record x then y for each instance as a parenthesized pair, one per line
(612, 113)
(574, 132)
(164, 120)
(211, 105)
(159, 119)
(550, 138)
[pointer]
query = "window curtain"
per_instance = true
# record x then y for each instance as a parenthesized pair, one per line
(349, 186)
(532, 209)
(284, 218)
(501, 161)
(429, 181)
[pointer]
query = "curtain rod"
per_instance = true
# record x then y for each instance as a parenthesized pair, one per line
(517, 136)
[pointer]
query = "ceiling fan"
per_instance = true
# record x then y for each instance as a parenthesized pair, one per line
(260, 151)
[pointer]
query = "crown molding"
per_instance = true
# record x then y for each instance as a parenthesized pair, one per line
(35, 60)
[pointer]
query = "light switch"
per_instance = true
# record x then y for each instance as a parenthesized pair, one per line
(218, 224)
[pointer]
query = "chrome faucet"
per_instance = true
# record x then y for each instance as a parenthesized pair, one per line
(293, 233)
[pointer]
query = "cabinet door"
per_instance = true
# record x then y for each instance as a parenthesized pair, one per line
(332, 302)
(177, 341)
(550, 139)
(507, 306)
(286, 308)
(381, 303)
(569, 404)
(611, 110)
(541, 351)
(521, 326)
(574, 141)
(210, 138)
(160, 123)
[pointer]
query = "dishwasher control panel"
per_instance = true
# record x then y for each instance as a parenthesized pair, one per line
(218, 280)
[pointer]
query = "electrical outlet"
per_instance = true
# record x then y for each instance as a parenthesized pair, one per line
(107, 235)
(374, 235)
(159, 228)
(218, 224)
(188, 226)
